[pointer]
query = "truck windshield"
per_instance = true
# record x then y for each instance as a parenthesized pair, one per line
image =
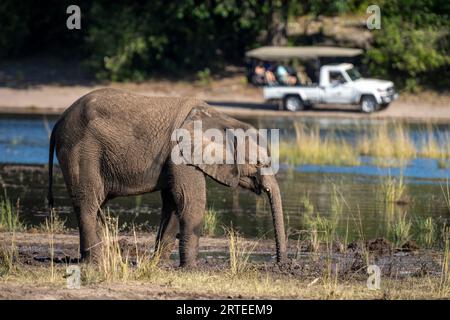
(354, 74)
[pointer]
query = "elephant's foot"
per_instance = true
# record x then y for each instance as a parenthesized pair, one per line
(91, 255)
(188, 265)
(188, 251)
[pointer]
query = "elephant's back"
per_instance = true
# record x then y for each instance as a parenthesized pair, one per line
(112, 111)
(118, 106)
(126, 130)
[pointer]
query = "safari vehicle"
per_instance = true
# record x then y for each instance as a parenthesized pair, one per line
(339, 83)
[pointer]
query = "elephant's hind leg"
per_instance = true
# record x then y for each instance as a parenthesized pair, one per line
(88, 194)
(189, 191)
(168, 228)
(89, 220)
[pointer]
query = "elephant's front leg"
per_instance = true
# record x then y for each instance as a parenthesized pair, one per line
(190, 196)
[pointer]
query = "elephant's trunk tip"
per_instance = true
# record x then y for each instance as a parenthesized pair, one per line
(272, 189)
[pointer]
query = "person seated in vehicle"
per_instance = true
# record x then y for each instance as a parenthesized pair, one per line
(259, 74)
(286, 75)
(269, 75)
(302, 76)
(336, 78)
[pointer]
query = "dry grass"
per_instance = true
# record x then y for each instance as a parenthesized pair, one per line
(239, 253)
(388, 144)
(250, 285)
(115, 273)
(311, 148)
(444, 285)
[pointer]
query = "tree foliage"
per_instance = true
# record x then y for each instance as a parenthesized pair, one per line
(123, 40)
(413, 45)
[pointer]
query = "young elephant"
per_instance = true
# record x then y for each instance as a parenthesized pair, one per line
(110, 143)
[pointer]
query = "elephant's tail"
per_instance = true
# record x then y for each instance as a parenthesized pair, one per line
(50, 169)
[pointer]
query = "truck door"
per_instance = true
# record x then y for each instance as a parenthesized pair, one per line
(339, 90)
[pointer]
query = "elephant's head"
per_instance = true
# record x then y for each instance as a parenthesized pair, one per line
(250, 165)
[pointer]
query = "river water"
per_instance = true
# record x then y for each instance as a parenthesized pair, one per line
(24, 141)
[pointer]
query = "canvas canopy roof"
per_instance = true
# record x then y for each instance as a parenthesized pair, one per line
(309, 52)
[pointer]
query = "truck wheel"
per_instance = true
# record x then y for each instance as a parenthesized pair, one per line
(368, 104)
(293, 103)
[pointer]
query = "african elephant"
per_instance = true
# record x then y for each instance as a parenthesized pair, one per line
(110, 143)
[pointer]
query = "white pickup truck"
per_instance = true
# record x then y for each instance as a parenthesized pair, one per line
(339, 84)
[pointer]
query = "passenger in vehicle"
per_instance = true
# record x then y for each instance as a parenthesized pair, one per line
(259, 74)
(286, 75)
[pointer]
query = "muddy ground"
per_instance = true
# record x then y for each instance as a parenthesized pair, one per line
(350, 262)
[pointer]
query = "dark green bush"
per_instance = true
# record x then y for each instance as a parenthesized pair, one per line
(412, 57)
(412, 47)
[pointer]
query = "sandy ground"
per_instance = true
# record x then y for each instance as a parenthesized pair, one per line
(230, 94)
(123, 291)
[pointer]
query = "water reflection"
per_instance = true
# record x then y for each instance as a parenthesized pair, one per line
(25, 141)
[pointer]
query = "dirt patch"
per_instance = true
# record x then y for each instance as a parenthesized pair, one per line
(122, 291)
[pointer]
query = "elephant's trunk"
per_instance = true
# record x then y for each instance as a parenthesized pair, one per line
(270, 185)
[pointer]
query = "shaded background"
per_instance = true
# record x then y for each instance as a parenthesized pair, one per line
(123, 41)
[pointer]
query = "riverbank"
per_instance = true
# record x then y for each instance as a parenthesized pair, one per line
(229, 94)
(405, 274)
(325, 261)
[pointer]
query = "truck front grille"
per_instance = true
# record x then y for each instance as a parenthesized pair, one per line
(390, 91)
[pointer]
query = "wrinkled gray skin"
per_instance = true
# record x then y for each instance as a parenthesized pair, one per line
(110, 143)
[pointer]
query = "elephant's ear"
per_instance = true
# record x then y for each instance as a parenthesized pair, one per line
(212, 151)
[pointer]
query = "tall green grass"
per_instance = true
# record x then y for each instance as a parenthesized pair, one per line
(400, 229)
(9, 222)
(9, 216)
(393, 189)
(425, 231)
(320, 228)
(210, 222)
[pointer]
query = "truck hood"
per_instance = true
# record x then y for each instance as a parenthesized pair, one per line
(365, 83)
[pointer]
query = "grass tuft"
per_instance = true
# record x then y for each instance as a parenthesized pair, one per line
(9, 216)
(400, 229)
(112, 264)
(425, 231)
(239, 253)
(210, 222)
(393, 189)
(444, 284)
